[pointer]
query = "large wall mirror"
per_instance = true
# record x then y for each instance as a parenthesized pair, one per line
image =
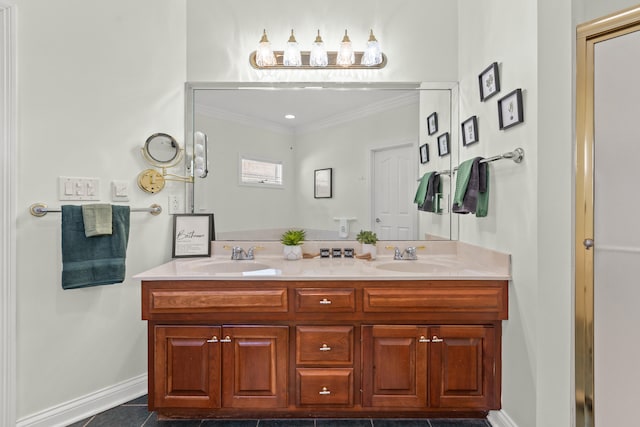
(349, 159)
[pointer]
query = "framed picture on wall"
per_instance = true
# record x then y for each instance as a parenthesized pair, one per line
(322, 183)
(510, 111)
(432, 123)
(424, 153)
(443, 144)
(470, 130)
(192, 235)
(489, 81)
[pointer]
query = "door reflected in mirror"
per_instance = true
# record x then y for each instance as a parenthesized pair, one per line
(368, 135)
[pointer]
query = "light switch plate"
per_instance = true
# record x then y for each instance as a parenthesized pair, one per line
(119, 191)
(78, 188)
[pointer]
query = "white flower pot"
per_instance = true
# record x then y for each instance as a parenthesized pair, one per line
(292, 253)
(368, 248)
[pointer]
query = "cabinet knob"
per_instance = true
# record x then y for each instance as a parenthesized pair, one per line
(213, 339)
(325, 348)
(324, 391)
(423, 339)
(436, 339)
(227, 338)
(325, 301)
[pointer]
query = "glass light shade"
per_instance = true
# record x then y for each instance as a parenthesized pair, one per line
(292, 57)
(318, 54)
(346, 55)
(264, 54)
(372, 55)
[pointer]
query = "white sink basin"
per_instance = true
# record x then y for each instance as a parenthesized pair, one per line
(229, 267)
(414, 267)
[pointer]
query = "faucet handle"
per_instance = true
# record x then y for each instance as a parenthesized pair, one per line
(252, 249)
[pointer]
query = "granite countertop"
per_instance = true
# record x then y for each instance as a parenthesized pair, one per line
(441, 260)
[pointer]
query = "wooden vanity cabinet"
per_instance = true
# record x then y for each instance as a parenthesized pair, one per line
(238, 348)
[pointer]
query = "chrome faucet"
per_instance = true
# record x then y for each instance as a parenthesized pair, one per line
(238, 254)
(407, 254)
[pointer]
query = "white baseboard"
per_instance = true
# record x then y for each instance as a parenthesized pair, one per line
(500, 419)
(86, 406)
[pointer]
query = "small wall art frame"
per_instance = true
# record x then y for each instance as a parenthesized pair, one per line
(424, 153)
(432, 123)
(470, 131)
(192, 235)
(323, 183)
(443, 144)
(489, 81)
(510, 110)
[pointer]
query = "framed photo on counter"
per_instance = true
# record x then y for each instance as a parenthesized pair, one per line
(192, 235)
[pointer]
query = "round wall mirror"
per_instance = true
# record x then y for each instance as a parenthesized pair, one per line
(162, 150)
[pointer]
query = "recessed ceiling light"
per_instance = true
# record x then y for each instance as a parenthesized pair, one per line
(289, 116)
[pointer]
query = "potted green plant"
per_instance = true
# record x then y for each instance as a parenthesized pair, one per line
(292, 241)
(368, 239)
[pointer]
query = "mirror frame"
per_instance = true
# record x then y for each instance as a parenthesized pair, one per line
(453, 87)
(146, 152)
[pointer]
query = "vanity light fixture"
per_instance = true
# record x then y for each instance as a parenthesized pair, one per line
(200, 155)
(346, 55)
(318, 55)
(264, 56)
(318, 58)
(292, 57)
(373, 53)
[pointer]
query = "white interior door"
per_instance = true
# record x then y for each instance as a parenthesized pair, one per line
(394, 186)
(616, 231)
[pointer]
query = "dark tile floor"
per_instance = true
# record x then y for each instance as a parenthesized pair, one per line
(135, 414)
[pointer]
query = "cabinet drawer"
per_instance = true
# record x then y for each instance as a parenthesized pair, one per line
(319, 300)
(327, 345)
(436, 300)
(218, 300)
(324, 386)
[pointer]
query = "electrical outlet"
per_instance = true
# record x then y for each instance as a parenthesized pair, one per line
(175, 204)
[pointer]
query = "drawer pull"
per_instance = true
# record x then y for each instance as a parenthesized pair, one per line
(325, 301)
(226, 339)
(324, 391)
(325, 348)
(213, 339)
(423, 339)
(436, 339)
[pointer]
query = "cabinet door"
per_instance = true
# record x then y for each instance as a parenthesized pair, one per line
(463, 364)
(394, 362)
(186, 367)
(255, 364)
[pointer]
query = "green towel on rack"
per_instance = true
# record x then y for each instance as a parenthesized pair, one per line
(421, 193)
(92, 261)
(472, 188)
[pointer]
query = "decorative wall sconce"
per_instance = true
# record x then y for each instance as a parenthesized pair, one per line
(163, 151)
(318, 57)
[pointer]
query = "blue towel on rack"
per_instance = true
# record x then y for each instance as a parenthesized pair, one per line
(92, 261)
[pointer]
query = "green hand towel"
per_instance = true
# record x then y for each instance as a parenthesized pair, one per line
(97, 219)
(421, 194)
(472, 188)
(92, 261)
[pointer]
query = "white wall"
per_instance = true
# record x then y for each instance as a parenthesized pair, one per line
(95, 80)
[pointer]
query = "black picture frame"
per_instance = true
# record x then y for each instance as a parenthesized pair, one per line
(489, 81)
(424, 153)
(432, 123)
(470, 131)
(192, 235)
(443, 144)
(323, 183)
(510, 110)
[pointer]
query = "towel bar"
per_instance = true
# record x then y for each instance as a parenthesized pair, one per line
(41, 209)
(516, 155)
